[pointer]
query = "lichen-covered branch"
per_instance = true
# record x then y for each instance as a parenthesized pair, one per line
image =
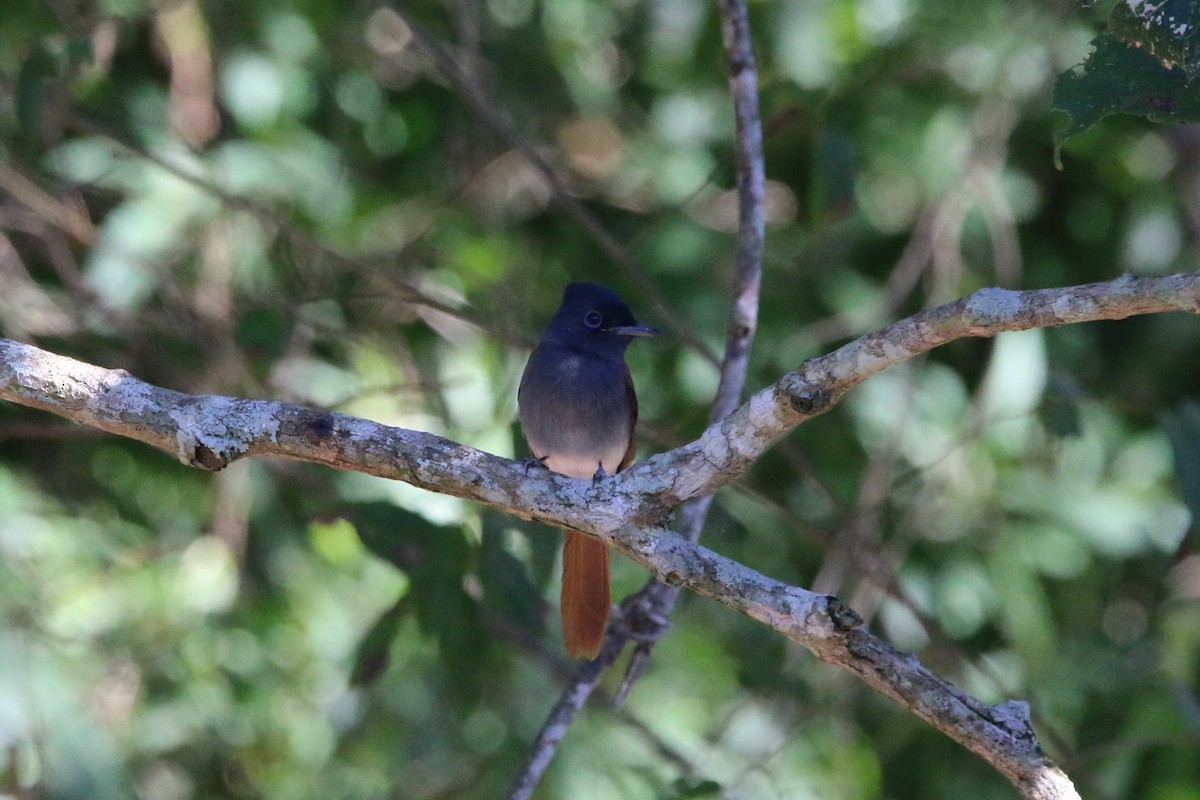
(209, 431)
(728, 448)
(627, 510)
(650, 607)
(751, 189)
(1002, 735)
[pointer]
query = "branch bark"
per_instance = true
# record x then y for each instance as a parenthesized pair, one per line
(644, 615)
(627, 510)
(727, 449)
(209, 431)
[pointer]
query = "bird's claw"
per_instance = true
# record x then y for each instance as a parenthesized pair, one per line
(534, 462)
(599, 474)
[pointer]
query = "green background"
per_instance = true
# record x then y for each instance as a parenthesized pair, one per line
(239, 197)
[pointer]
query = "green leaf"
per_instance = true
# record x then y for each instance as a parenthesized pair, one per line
(1119, 78)
(394, 534)
(1183, 429)
(691, 787)
(435, 559)
(1167, 30)
(506, 582)
(1143, 65)
(264, 332)
(1059, 407)
(31, 79)
(374, 652)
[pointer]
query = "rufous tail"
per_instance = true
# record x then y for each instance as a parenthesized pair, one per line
(585, 594)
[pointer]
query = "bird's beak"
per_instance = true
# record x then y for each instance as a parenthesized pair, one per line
(633, 330)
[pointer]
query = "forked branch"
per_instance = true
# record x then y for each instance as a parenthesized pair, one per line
(626, 511)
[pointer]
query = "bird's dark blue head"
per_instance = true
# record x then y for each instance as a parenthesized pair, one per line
(592, 318)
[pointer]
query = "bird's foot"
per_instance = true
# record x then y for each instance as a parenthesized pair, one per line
(599, 474)
(534, 462)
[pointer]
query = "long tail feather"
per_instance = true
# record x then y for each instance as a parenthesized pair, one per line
(585, 594)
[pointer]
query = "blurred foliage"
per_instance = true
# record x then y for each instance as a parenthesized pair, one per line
(242, 198)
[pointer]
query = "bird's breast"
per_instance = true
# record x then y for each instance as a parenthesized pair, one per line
(575, 412)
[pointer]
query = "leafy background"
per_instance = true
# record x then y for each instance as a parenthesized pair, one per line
(242, 198)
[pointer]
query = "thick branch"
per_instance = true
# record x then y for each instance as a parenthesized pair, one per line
(728, 448)
(210, 431)
(1002, 734)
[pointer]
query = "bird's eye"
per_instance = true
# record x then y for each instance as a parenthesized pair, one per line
(593, 319)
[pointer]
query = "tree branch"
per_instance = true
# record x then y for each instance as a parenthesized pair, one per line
(644, 615)
(449, 69)
(209, 431)
(269, 217)
(627, 510)
(728, 448)
(751, 178)
(650, 609)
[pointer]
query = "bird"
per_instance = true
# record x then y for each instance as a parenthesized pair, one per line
(578, 410)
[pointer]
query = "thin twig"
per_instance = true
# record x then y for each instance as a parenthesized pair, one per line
(659, 600)
(449, 69)
(311, 244)
(626, 510)
(743, 317)
(559, 720)
(73, 221)
(645, 614)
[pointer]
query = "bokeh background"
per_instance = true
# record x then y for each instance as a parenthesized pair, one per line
(251, 198)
